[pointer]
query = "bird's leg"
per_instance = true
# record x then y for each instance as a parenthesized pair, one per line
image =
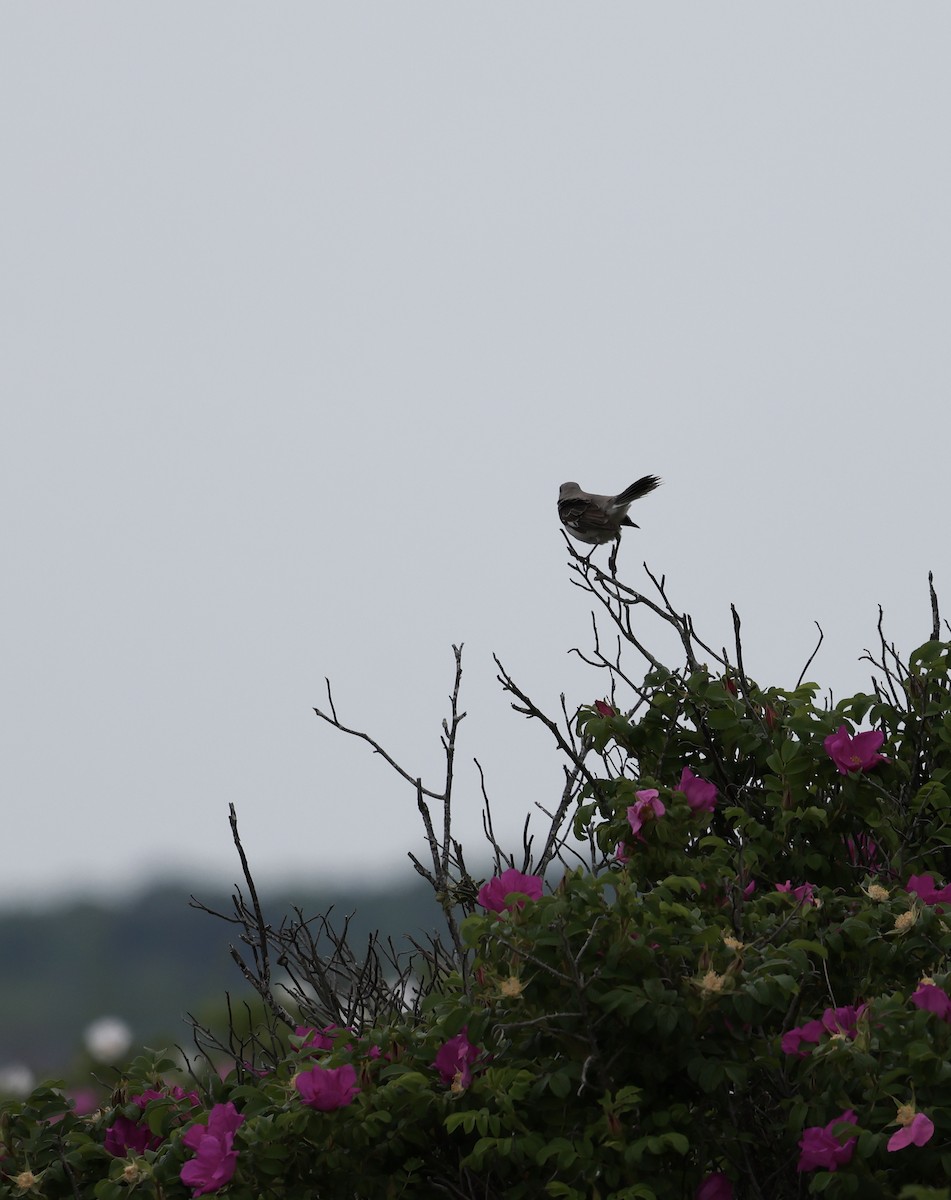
(612, 561)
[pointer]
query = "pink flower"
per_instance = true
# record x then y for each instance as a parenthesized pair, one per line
(215, 1155)
(715, 1187)
(918, 1130)
(494, 894)
(85, 1101)
(820, 1147)
(604, 709)
(804, 893)
(843, 1019)
(812, 1031)
(933, 999)
(858, 753)
(648, 807)
(923, 887)
(327, 1088)
(319, 1039)
(125, 1136)
(701, 796)
(454, 1059)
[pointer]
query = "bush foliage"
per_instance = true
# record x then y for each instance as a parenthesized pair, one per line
(735, 983)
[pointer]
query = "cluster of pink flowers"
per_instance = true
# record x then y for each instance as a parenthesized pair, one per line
(126, 1136)
(805, 893)
(822, 1147)
(315, 1041)
(213, 1143)
(318, 1039)
(648, 806)
(842, 1021)
(323, 1088)
(495, 895)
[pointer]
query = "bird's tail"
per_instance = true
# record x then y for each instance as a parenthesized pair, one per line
(645, 484)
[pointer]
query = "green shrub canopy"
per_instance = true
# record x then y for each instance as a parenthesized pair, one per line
(735, 981)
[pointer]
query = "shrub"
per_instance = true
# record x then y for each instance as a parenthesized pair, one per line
(735, 981)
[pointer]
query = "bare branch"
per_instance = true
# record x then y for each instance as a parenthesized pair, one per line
(802, 674)
(935, 618)
(331, 719)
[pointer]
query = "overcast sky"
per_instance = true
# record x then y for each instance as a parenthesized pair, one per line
(308, 309)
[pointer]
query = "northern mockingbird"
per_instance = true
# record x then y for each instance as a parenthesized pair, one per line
(599, 519)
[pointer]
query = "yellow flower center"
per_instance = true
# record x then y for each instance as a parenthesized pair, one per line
(512, 986)
(712, 982)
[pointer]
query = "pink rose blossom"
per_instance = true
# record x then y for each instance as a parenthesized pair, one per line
(918, 1130)
(215, 1156)
(933, 999)
(804, 893)
(843, 1021)
(924, 888)
(858, 753)
(84, 1100)
(454, 1059)
(319, 1039)
(820, 1147)
(125, 1136)
(701, 796)
(715, 1187)
(494, 894)
(604, 709)
(327, 1088)
(648, 807)
(792, 1040)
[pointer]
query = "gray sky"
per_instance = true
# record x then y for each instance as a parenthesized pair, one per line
(308, 309)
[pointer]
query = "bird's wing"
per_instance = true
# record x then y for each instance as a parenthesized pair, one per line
(581, 513)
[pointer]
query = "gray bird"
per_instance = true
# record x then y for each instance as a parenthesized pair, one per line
(599, 519)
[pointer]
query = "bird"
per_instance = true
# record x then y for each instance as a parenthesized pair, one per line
(599, 519)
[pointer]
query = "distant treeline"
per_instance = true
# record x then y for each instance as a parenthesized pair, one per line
(151, 959)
